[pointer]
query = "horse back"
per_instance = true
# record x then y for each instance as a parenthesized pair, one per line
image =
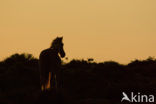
(49, 60)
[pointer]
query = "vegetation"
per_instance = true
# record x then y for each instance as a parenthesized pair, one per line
(85, 81)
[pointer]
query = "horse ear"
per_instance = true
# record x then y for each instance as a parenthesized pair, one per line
(57, 37)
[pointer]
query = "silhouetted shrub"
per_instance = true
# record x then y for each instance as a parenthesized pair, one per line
(20, 81)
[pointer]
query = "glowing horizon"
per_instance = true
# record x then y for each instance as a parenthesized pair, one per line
(105, 30)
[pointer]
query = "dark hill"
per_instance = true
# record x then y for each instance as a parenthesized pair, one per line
(85, 82)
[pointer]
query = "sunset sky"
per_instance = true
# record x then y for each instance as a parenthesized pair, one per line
(118, 30)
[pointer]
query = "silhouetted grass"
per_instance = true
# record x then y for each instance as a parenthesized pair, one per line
(85, 82)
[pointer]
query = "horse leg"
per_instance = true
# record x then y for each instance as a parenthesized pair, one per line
(59, 79)
(48, 80)
(52, 80)
(45, 80)
(55, 80)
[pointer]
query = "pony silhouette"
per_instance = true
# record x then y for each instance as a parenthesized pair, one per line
(50, 65)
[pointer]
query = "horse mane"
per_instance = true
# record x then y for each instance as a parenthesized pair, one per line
(56, 41)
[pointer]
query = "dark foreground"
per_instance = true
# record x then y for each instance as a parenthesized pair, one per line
(85, 82)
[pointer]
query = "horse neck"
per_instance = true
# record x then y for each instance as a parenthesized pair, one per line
(54, 50)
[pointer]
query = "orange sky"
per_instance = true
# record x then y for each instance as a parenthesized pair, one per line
(119, 30)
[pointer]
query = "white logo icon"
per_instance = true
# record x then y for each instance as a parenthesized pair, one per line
(125, 97)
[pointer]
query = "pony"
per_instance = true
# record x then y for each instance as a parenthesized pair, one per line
(50, 65)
